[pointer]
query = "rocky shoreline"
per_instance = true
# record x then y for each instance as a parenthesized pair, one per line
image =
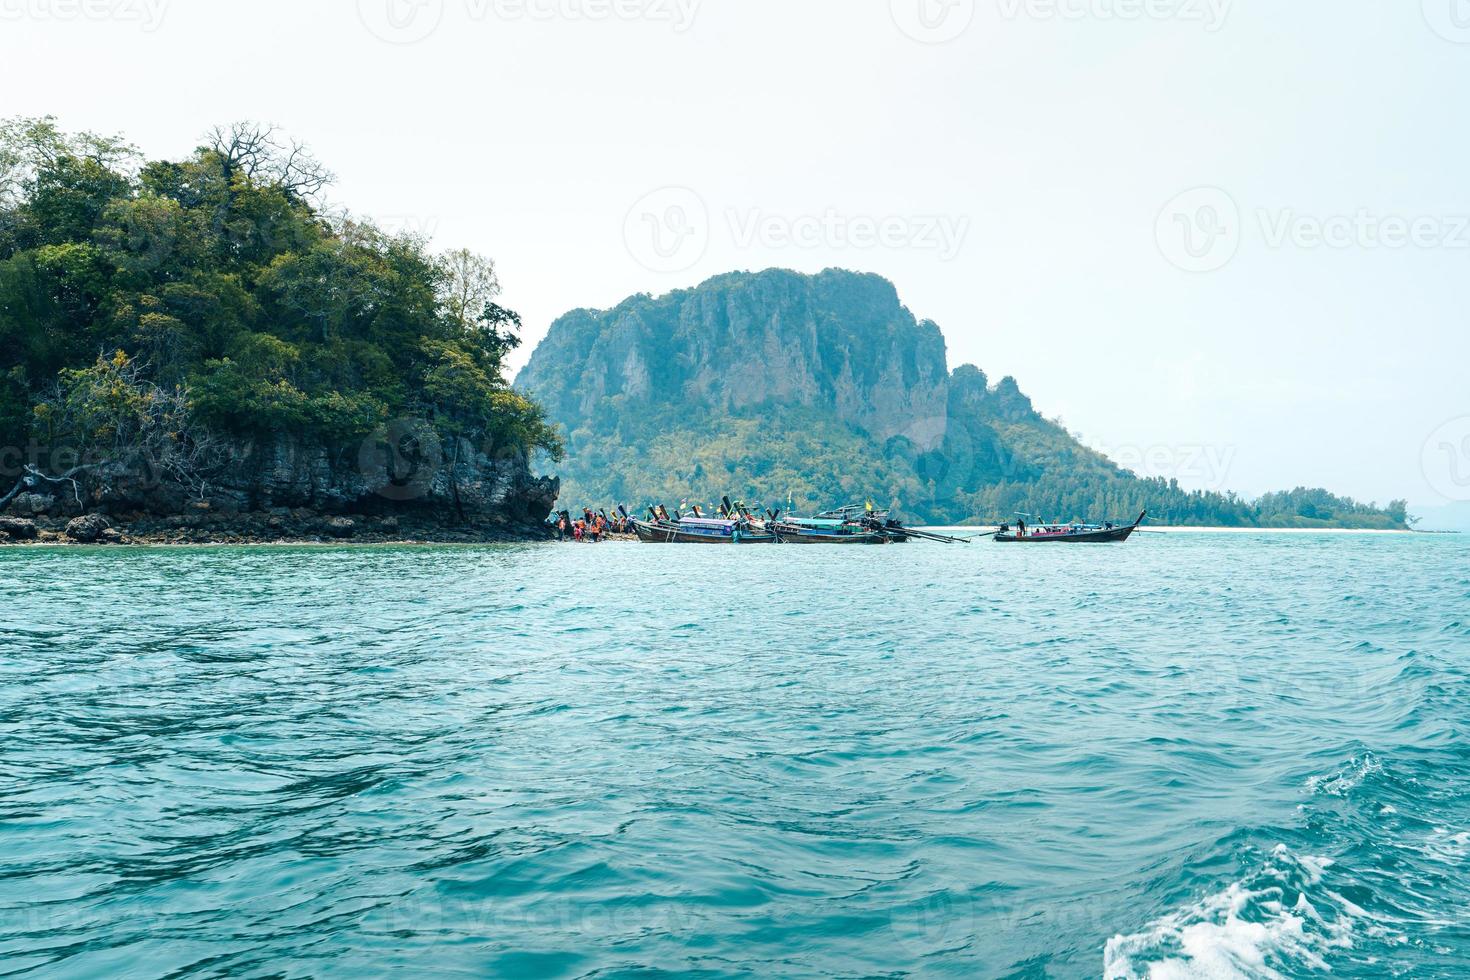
(283, 492)
(276, 527)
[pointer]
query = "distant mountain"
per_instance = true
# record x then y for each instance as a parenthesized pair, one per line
(812, 391)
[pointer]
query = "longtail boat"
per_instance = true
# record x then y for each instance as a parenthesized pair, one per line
(879, 522)
(699, 530)
(1075, 533)
(855, 524)
(843, 526)
(736, 525)
(818, 530)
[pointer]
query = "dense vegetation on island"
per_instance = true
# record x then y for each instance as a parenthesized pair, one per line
(162, 312)
(806, 392)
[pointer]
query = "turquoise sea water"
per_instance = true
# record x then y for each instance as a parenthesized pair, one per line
(1195, 754)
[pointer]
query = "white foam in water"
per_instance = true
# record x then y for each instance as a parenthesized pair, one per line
(1245, 931)
(1443, 845)
(1347, 779)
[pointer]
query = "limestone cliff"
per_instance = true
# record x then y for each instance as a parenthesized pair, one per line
(745, 366)
(839, 342)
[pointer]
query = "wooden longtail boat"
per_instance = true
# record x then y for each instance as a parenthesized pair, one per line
(1068, 533)
(699, 530)
(801, 530)
(879, 522)
(736, 525)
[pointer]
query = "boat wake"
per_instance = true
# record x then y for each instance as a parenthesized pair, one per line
(1279, 921)
(1375, 904)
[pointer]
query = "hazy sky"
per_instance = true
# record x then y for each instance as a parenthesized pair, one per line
(1223, 240)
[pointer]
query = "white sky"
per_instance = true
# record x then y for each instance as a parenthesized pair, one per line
(1053, 133)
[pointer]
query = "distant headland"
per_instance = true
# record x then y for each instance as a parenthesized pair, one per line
(817, 390)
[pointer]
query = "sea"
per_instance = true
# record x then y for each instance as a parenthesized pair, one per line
(1193, 755)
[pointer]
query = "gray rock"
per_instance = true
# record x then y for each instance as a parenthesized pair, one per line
(18, 528)
(33, 504)
(88, 528)
(297, 484)
(341, 527)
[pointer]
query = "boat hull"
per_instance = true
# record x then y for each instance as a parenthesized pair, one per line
(1106, 536)
(796, 535)
(666, 534)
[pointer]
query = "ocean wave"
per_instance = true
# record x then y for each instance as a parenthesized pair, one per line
(371, 762)
(1349, 777)
(1279, 921)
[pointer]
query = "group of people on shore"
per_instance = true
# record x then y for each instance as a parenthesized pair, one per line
(590, 528)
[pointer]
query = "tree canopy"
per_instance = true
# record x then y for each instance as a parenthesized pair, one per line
(222, 287)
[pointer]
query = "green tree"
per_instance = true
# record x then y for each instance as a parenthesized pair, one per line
(220, 281)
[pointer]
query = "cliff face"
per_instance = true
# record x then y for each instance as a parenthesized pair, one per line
(401, 472)
(838, 343)
(835, 359)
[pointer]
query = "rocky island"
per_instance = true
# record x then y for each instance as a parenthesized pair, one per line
(200, 350)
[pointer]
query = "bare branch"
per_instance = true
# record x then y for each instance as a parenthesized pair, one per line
(34, 476)
(255, 150)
